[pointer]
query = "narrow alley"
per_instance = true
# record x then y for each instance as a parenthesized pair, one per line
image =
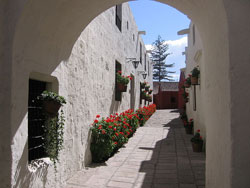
(159, 155)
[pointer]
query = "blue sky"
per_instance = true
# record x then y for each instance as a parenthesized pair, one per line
(160, 19)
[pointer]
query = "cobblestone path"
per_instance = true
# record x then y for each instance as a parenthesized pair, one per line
(159, 155)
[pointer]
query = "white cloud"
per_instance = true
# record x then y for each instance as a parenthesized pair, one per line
(176, 47)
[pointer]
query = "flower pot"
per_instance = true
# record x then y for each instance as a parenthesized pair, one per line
(197, 147)
(189, 129)
(122, 87)
(194, 80)
(51, 107)
(143, 96)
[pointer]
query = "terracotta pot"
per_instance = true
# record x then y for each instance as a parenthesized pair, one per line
(122, 87)
(197, 147)
(194, 80)
(51, 107)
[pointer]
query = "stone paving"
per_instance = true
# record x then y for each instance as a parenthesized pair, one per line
(159, 155)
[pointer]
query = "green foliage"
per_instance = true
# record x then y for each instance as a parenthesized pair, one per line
(188, 81)
(122, 79)
(54, 130)
(54, 127)
(195, 72)
(158, 56)
(197, 137)
(51, 96)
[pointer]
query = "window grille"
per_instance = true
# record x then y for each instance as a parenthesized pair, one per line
(118, 94)
(36, 121)
(118, 16)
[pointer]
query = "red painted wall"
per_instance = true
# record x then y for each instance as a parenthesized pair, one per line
(166, 100)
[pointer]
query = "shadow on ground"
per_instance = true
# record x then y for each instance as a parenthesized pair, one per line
(173, 163)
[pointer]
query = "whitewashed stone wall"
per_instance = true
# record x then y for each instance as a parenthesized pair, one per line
(87, 81)
(194, 58)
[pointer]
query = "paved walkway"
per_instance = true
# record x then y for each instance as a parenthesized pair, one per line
(159, 155)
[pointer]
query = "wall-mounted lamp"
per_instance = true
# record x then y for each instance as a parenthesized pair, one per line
(143, 73)
(134, 62)
(141, 32)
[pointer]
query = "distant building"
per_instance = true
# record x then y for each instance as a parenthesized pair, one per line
(166, 95)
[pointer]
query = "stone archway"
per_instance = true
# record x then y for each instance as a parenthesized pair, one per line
(38, 35)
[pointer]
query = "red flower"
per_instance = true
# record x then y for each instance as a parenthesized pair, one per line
(117, 134)
(191, 119)
(103, 132)
(114, 129)
(130, 78)
(198, 130)
(110, 127)
(115, 143)
(120, 72)
(201, 137)
(97, 116)
(96, 121)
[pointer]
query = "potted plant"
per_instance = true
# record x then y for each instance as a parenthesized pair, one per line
(147, 87)
(197, 142)
(51, 102)
(148, 98)
(189, 126)
(122, 81)
(150, 91)
(143, 94)
(143, 84)
(187, 82)
(195, 75)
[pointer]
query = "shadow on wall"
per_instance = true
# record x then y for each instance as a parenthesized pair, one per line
(114, 104)
(23, 177)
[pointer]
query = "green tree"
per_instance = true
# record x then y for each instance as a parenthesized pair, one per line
(158, 55)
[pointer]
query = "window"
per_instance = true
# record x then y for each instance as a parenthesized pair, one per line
(118, 16)
(118, 94)
(193, 34)
(127, 26)
(145, 62)
(140, 53)
(133, 37)
(148, 68)
(36, 121)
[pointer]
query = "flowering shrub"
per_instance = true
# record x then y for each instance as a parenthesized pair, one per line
(145, 113)
(109, 134)
(187, 81)
(122, 79)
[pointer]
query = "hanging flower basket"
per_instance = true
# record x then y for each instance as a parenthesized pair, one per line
(194, 80)
(197, 147)
(147, 88)
(122, 87)
(51, 107)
